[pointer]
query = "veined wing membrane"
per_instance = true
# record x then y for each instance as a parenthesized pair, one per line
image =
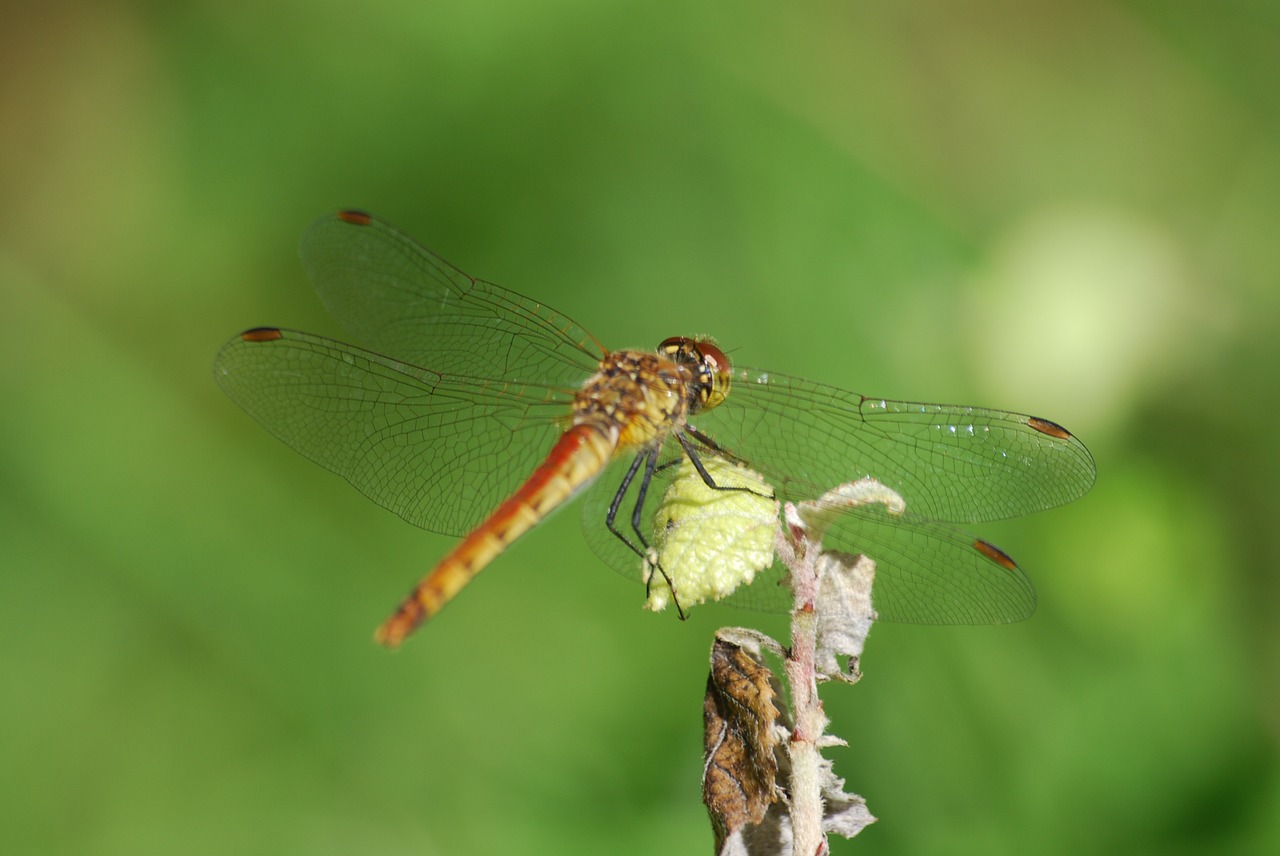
(950, 463)
(398, 298)
(931, 573)
(439, 450)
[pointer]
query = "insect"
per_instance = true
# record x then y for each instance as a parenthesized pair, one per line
(473, 411)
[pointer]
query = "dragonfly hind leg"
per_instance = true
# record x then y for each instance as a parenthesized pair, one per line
(649, 459)
(707, 478)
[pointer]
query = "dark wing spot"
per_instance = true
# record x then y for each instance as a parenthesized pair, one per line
(355, 218)
(261, 334)
(1053, 429)
(995, 554)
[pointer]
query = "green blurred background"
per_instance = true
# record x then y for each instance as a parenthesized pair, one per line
(1069, 209)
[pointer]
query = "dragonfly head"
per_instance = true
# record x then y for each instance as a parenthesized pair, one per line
(709, 365)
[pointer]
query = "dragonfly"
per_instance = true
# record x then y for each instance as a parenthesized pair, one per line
(472, 411)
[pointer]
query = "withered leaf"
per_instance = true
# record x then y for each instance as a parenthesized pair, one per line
(844, 613)
(740, 715)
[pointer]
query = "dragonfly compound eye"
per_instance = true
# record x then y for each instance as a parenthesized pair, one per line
(713, 374)
(709, 364)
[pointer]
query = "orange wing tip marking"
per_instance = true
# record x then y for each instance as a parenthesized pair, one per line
(355, 218)
(1053, 429)
(261, 334)
(995, 554)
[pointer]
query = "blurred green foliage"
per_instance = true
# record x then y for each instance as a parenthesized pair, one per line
(1066, 208)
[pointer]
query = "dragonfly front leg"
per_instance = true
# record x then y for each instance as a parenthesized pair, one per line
(702, 470)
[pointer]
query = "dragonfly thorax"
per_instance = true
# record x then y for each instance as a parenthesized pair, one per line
(639, 396)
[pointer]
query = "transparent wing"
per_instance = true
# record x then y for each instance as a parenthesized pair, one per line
(931, 573)
(951, 463)
(926, 572)
(397, 298)
(439, 450)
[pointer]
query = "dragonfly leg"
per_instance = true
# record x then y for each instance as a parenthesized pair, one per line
(651, 462)
(649, 459)
(616, 503)
(702, 470)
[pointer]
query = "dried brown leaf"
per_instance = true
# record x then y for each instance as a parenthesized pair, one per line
(740, 718)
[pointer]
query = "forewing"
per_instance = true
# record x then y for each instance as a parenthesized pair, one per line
(439, 450)
(397, 298)
(951, 463)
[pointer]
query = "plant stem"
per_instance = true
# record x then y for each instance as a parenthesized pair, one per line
(810, 719)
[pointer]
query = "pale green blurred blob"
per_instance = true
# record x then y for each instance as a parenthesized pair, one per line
(1094, 301)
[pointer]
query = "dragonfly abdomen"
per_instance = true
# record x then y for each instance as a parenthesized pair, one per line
(578, 456)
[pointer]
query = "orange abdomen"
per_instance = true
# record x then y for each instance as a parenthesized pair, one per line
(578, 456)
